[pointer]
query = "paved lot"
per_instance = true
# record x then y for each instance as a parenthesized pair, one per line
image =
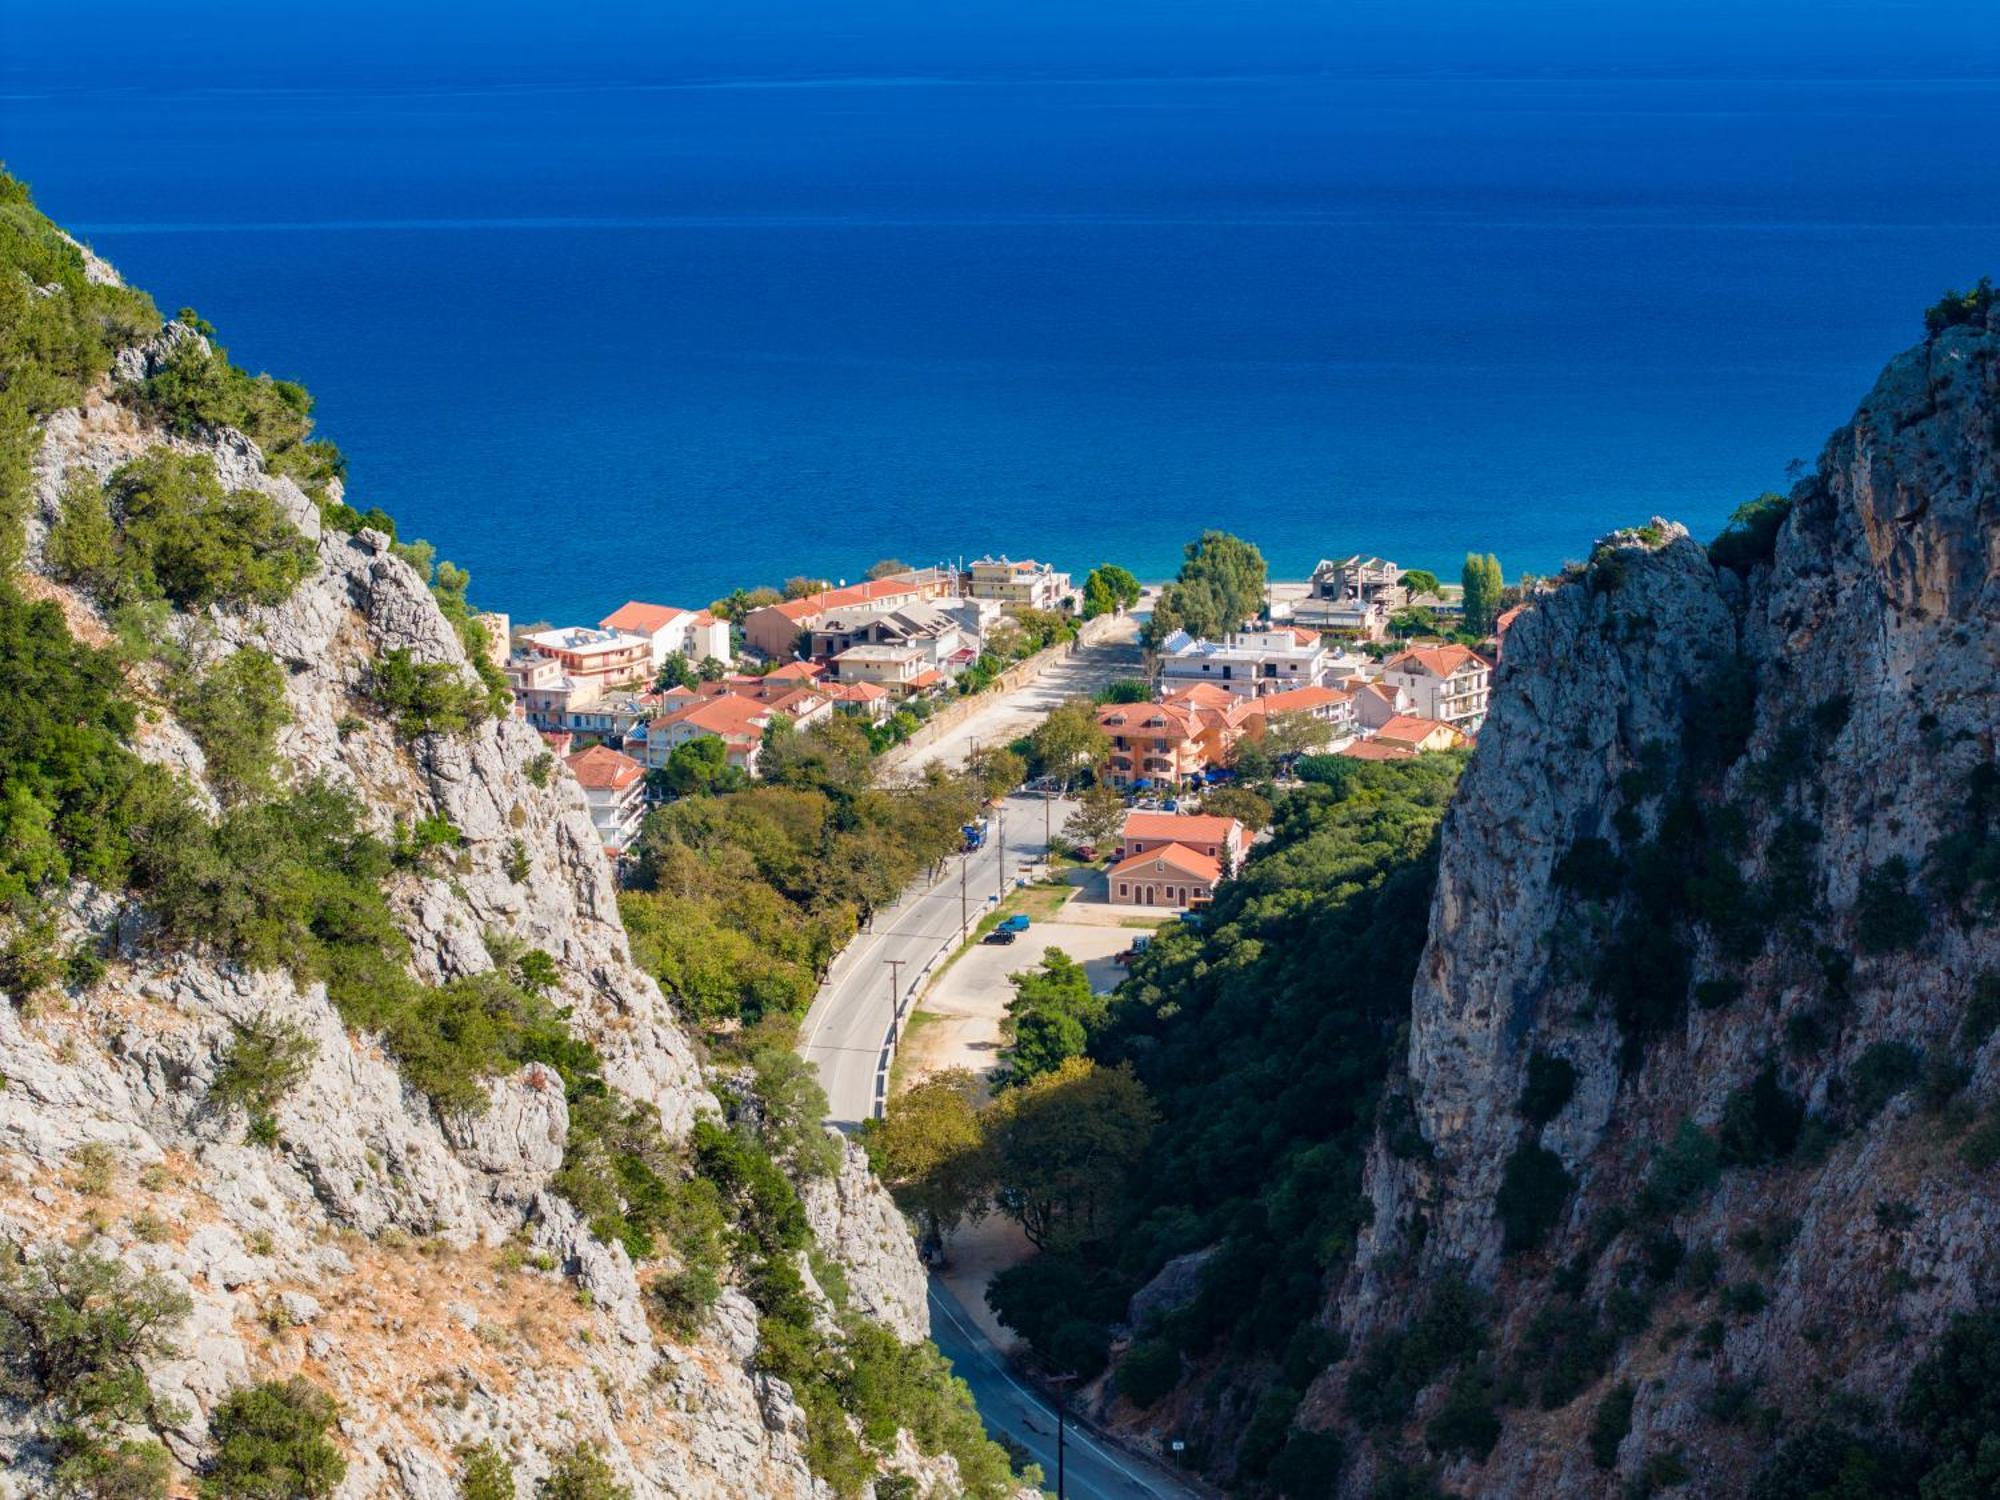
(1008, 716)
(968, 1001)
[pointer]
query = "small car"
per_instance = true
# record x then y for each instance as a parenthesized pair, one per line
(1019, 922)
(1001, 935)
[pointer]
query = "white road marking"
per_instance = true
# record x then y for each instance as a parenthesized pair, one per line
(977, 1341)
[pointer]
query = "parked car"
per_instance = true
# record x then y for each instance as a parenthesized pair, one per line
(1001, 935)
(1017, 923)
(1085, 852)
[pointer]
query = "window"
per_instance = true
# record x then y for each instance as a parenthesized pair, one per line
(1122, 889)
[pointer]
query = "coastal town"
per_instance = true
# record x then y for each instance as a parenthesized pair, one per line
(1364, 660)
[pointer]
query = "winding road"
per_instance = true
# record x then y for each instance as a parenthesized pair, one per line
(847, 1033)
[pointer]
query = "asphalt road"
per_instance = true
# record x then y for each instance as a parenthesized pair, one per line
(845, 1033)
(1092, 1469)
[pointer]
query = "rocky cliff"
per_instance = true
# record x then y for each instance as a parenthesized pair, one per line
(1700, 1044)
(414, 1261)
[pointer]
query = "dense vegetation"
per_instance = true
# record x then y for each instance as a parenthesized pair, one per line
(1226, 1101)
(742, 897)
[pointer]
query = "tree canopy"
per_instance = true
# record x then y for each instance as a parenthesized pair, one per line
(1108, 587)
(1484, 584)
(1219, 586)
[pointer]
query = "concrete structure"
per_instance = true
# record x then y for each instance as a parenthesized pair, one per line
(891, 667)
(615, 787)
(694, 633)
(1246, 664)
(1354, 596)
(1444, 682)
(944, 640)
(1026, 583)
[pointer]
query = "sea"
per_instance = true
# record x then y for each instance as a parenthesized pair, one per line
(605, 336)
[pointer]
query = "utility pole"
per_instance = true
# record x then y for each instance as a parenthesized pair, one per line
(964, 899)
(1000, 823)
(895, 985)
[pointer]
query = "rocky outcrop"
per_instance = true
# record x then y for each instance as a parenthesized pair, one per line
(419, 1266)
(1818, 718)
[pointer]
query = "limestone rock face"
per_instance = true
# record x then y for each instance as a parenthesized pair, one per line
(420, 1267)
(859, 1225)
(1870, 642)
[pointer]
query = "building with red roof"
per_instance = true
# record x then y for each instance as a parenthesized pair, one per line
(1443, 682)
(614, 786)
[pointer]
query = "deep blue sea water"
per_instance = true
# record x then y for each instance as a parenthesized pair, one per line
(603, 341)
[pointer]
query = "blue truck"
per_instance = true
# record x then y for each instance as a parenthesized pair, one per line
(975, 835)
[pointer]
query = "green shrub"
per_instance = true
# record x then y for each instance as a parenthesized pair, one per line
(1396, 1367)
(1149, 1372)
(76, 1331)
(1551, 1084)
(1609, 1424)
(1534, 1187)
(1752, 534)
(113, 1469)
(1684, 1169)
(425, 697)
(265, 1059)
(199, 389)
(1830, 1462)
(234, 713)
(1888, 915)
(82, 546)
(1880, 1073)
(484, 1473)
(1744, 1299)
(1308, 1466)
(69, 787)
(581, 1474)
(183, 538)
(1760, 1122)
(1465, 1423)
(1591, 868)
(1982, 1013)
(682, 1300)
(1960, 309)
(271, 1443)
(1568, 1346)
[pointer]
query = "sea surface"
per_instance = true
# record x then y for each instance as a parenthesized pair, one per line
(602, 340)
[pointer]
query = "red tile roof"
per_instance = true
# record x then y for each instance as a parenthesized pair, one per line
(1439, 661)
(1413, 730)
(641, 618)
(1174, 856)
(1374, 750)
(929, 677)
(1202, 695)
(796, 671)
(602, 769)
(1174, 827)
(855, 593)
(728, 716)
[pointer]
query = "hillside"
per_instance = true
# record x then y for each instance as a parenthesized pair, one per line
(349, 1152)
(1659, 1157)
(1700, 1043)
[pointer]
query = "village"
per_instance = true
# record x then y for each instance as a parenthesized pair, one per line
(1363, 660)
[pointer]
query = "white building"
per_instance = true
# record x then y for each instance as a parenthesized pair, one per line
(1247, 664)
(1025, 583)
(1446, 683)
(614, 785)
(694, 633)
